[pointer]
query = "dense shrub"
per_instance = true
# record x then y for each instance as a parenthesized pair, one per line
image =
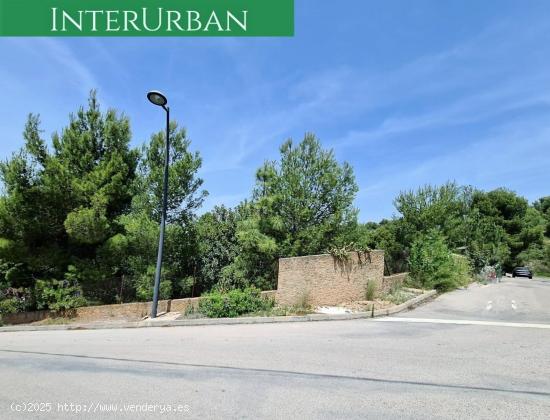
(14, 300)
(433, 266)
(10, 306)
(216, 244)
(233, 303)
(58, 295)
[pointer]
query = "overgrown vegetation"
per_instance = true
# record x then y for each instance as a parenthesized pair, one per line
(233, 303)
(79, 221)
(371, 289)
(398, 294)
(496, 228)
(434, 266)
(300, 205)
(342, 253)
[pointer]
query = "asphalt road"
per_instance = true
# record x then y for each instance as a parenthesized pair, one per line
(373, 369)
(512, 300)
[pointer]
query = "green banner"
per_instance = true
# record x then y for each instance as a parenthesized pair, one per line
(146, 17)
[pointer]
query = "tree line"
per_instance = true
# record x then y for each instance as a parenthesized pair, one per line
(79, 220)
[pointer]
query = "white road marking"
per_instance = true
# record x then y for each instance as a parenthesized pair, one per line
(463, 322)
(514, 306)
(489, 305)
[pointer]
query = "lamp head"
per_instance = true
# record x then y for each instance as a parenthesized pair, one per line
(157, 98)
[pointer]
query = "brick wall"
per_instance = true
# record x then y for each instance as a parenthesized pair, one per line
(325, 280)
(397, 279)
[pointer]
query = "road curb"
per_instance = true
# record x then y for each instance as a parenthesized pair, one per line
(228, 321)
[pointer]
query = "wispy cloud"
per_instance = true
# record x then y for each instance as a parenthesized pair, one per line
(467, 83)
(508, 97)
(61, 59)
(511, 155)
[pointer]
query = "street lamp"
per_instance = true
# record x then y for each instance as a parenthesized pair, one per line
(157, 98)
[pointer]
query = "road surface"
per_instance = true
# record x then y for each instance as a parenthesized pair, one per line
(470, 360)
(513, 300)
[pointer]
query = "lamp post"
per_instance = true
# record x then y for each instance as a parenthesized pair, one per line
(158, 99)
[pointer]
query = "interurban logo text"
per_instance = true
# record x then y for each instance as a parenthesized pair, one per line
(146, 17)
(147, 20)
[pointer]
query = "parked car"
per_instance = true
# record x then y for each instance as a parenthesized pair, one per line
(522, 272)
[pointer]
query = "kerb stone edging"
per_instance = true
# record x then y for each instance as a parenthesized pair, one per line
(226, 321)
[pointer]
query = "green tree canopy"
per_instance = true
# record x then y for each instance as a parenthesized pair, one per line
(302, 204)
(61, 204)
(434, 207)
(141, 224)
(522, 225)
(184, 194)
(86, 206)
(543, 206)
(217, 245)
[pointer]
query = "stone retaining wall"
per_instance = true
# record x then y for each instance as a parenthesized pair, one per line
(326, 280)
(125, 311)
(396, 279)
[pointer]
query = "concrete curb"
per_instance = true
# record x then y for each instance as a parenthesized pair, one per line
(226, 321)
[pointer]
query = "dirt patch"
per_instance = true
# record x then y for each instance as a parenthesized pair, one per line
(383, 302)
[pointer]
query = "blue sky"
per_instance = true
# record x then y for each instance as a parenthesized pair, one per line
(408, 92)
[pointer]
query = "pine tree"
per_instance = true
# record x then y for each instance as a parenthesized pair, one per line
(61, 205)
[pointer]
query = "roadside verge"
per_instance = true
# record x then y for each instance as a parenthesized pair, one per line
(227, 321)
